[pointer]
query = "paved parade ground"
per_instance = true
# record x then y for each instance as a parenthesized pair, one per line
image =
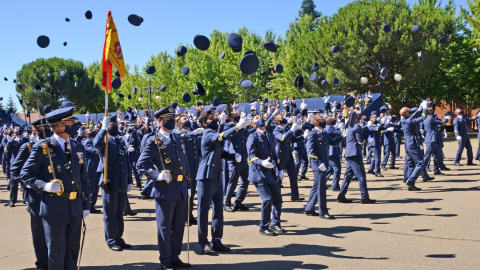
(436, 228)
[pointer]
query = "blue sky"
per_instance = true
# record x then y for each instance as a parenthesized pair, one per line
(167, 24)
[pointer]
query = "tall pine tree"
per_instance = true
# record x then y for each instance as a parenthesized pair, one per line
(308, 7)
(11, 104)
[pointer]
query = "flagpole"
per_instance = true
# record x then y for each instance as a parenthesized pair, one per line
(105, 163)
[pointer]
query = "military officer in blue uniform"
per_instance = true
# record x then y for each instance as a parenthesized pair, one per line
(389, 146)
(318, 143)
(375, 127)
(397, 136)
(12, 150)
(334, 153)
(64, 200)
(192, 145)
(92, 160)
(164, 159)
(264, 174)
(119, 182)
(209, 184)
(413, 146)
(283, 149)
(461, 134)
(147, 188)
(477, 156)
(431, 140)
(236, 145)
(33, 198)
(355, 167)
(133, 150)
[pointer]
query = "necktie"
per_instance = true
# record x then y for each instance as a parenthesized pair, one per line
(67, 150)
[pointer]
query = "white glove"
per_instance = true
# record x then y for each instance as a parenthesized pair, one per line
(309, 117)
(244, 122)
(222, 117)
(322, 167)
(344, 133)
(52, 187)
(281, 175)
(129, 187)
(305, 134)
(198, 131)
(390, 129)
(459, 138)
(105, 123)
(290, 119)
(238, 158)
(267, 164)
(9, 138)
(242, 115)
(189, 193)
(445, 133)
(447, 118)
(130, 149)
(163, 176)
(295, 127)
(425, 104)
(86, 213)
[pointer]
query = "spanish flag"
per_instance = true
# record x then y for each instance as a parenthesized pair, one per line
(112, 52)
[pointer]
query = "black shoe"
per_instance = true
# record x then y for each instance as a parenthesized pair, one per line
(428, 179)
(229, 209)
(140, 188)
(438, 173)
(281, 186)
(220, 247)
(10, 204)
(312, 213)
(131, 213)
(457, 164)
(240, 207)
(297, 199)
(304, 178)
(327, 216)
(126, 246)
(144, 196)
(95, 211)
(371, 172)
(383, 168)
(343, 200)
(166, 267)
(445, 169)
(428, 170)
(180, 264)
(299, 180)
(393, 168)
(193, 221)
(207, 249)
(267, 232)
(378, 175)
(412, 187)
(277, 229)
(471, 164)
(116, 248)
(368, 201)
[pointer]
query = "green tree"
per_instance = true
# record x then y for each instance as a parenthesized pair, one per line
(11, 105)
(76, 86)
(357, 29)
(308, 7)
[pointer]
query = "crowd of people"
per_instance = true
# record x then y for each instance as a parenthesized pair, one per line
(174, 156)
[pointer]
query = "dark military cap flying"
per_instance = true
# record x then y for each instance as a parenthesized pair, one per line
(181, 51)
(270, 46)
(298, 81)
(201, 42)
(234, 40)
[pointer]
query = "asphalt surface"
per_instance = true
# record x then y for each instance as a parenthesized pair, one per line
(435, 228)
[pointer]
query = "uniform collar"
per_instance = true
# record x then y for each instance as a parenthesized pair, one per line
(318, 130)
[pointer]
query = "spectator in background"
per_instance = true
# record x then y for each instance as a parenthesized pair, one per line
(368, 99)
(286, 104)
(303, 105)
(293, 104)
(235, 106)
(326, 100)
(360, 102)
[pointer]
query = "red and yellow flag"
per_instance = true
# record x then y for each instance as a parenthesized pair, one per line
(112, 52)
